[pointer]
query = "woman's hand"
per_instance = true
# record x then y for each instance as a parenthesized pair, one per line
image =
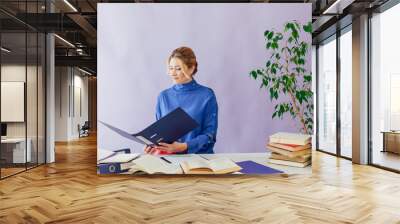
(172, 148)
(150, 150)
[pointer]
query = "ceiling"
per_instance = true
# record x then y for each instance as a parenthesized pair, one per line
(76, 22)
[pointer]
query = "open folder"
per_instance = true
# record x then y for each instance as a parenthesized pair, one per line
(168, 129)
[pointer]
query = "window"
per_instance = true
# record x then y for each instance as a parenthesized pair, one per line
(385, 89)
(346, 93)
(327, 96)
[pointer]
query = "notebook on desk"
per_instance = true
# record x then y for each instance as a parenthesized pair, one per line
(251, 167)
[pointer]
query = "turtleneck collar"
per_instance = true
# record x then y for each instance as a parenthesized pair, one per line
(186, 86)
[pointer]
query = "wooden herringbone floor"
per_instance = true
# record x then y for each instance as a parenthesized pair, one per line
(70, 191)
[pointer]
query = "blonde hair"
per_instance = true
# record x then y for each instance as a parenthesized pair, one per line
(187, 56)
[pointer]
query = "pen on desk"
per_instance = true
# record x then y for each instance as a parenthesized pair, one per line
(203, 157)
(166, 160)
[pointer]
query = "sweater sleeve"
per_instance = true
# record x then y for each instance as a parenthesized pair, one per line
(208, 134)
(158, 108)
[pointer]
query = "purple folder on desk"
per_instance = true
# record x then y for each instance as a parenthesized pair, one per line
(250, 167)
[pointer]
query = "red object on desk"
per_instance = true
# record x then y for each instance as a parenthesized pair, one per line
(162, 152)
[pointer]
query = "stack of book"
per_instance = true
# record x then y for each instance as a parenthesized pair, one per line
(290, 149)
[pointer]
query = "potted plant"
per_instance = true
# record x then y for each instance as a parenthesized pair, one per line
(285, 73)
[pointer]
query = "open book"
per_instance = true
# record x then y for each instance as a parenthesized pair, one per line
(153, 165)
(198, 165)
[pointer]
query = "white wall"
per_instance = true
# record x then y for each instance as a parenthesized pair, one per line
(79, 117)
(12, 73)
(69, 82)
(61, 103)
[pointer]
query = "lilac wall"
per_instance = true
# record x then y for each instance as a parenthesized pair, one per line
(134, 41)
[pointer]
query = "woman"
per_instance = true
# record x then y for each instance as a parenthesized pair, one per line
(197, 100)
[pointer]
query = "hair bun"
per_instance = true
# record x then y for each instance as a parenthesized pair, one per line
(187, 56)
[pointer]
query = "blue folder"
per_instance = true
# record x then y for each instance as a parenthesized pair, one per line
(251, 167)
(110, 168)
(168, 129)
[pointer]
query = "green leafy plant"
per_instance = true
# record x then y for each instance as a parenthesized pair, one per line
(285, 74)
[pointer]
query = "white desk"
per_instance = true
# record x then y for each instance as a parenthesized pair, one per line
(18, 150)
(261, 158)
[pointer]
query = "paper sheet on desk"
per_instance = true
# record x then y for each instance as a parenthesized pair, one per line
(120, 158)
(102, 154)
(154, 165)
(177, 159)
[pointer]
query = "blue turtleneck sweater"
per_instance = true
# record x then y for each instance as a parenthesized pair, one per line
(201, 104)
